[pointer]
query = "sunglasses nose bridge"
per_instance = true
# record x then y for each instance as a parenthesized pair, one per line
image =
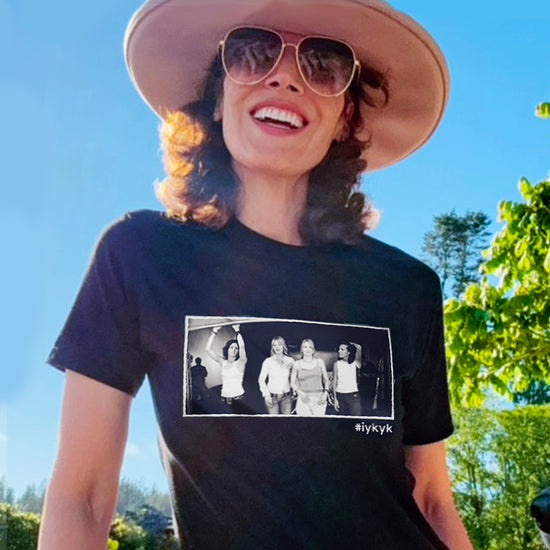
(284, 52)
(290, 72)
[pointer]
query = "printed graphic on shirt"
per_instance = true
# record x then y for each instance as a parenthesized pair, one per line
(257, 366)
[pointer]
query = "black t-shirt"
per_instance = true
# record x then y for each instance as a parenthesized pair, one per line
(240, 478)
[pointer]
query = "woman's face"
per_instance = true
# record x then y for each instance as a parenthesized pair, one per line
(257, 138)
(233, 350)
(307, 349)
(343, 351)
(278, 347)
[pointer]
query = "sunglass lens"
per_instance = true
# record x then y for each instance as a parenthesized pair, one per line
(327, 65)
(249, 54)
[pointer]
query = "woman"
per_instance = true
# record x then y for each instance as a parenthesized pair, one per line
(347, 399)
(297, 98)
(232, 363)
(310, 382)
(274, 379)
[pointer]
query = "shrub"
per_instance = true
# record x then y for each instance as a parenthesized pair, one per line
(128, 534)
(18, 529)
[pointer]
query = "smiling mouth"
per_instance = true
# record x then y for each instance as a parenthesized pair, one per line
(280, 117)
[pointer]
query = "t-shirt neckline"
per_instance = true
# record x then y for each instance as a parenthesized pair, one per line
(254, 241)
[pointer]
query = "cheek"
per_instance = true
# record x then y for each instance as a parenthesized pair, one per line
(228, 116)
(229, 128)
(336, 117)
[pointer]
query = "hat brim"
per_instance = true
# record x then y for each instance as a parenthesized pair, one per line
(170, 44)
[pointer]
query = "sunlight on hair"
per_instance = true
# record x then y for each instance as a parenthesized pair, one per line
(180, 133)
(371, 219)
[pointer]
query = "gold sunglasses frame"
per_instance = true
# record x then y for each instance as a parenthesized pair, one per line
(356, 70)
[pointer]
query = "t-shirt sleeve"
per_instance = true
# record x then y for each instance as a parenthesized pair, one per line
(101, 337)
(427, 415)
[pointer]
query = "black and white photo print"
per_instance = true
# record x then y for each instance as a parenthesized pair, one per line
(281, 367)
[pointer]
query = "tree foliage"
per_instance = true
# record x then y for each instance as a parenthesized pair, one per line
(543, 110)
(453, 248)
(156, 525)
(6, 493)
(18, 529)
(132, 495)
(537, 393)
(498, 334)
(499, 461)
(146, 528)
(128, 534)
(32, 499)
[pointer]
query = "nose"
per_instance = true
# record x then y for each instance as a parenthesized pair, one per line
(286, 75)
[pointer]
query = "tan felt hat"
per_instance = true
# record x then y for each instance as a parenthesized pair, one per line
(170, 44)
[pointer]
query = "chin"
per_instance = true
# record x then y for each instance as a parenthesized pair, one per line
(277, 161)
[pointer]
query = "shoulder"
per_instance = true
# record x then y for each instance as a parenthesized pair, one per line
(149, 225)
(393, 257)
(395, 268)
(267, 363)
(152, 236)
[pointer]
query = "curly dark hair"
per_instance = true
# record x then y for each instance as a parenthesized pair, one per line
(201, 185)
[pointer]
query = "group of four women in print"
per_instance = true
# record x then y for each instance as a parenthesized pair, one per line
(284, 381)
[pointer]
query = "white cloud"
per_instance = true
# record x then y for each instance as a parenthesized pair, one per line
(3, 438)
(132, 449)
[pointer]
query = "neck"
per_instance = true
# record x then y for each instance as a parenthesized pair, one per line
(272, 205)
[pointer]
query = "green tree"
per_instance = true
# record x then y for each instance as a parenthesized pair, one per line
(453, 248)
(543, 110)
(498, 334)
(474, 483)
(537, 393)
(499, 461)
(32, 498)
(132, 495)
(6, 493)
(156, 525)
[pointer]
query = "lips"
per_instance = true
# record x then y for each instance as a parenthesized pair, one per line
(279, 116)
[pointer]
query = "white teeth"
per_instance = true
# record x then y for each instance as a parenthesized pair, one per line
(275, 114)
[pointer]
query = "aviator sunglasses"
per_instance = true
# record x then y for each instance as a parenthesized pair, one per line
(250, 54)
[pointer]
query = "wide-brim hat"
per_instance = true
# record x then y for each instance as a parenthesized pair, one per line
(170, 44)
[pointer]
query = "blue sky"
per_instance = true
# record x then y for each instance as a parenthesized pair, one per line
(79, 149)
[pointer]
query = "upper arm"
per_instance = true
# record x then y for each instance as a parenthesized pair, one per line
(94, 428)
(428, 464)
(209, 348)
(242, 348)
(358, 354)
